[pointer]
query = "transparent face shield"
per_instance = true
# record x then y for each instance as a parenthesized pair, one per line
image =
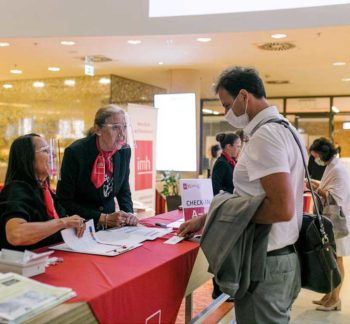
(54, 159)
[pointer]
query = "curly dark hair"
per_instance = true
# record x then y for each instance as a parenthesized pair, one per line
(324, 148)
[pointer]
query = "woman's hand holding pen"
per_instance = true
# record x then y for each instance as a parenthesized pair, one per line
(76, 222)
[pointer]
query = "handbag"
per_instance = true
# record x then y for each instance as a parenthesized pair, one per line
(335, 213)
(316, 244)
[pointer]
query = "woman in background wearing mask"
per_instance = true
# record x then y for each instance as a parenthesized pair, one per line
(335, 181)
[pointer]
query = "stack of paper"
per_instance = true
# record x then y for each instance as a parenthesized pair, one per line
(110, 242)
(22, 298)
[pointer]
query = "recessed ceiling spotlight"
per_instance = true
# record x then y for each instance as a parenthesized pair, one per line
(69, 83)
(161, 63)
(68, 43)
(15, 71)
(134, 41)
(278, 36)
(38, 84)
(54, 69)
(335, 109)
(339, 63)
(4, 44)
(7, 86)
(346, 79)
(104, 81)
(204, 39)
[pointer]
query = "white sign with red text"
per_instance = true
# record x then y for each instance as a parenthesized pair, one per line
(196, 197)
(143, 121)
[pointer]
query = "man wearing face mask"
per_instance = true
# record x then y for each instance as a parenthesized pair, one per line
(271, 164)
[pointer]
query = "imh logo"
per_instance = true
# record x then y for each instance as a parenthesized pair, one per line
(187, 186)
(143, 165)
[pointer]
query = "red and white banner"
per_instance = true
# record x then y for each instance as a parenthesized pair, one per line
(196, 196)
(143, 120)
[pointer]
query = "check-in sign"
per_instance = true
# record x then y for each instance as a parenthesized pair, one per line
(196, 197)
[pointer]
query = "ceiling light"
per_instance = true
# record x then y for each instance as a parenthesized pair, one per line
(69, 83)
(335, 109)
(54, 69)
(216, 113)
(160, 63)
(38, 84)
(339, 63)
(346, 79)
(278, 36)
(207, 111)
(203, 39)
(134, 41)
(67, 43)
(15, 71)
(7, 86)
(4, 44)
(104, 81)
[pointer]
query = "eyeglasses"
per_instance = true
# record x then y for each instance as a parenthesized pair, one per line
(45, 149)
(116, 127)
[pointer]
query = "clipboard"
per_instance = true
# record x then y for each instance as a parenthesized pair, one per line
(113, 252)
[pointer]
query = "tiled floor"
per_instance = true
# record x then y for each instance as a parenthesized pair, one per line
(303, 311)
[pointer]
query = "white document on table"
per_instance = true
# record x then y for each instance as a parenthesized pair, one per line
(131, 234)
(177, 223)
(89, 242)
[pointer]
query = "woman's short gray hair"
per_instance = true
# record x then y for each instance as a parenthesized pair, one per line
(106, 111)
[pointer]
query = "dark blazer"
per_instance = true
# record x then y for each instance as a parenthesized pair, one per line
(77, 193)
(222, 176)
(19, 199)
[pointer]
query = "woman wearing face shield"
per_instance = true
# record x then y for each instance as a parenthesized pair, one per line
(95, 170)
(30, 216)
(334, 182)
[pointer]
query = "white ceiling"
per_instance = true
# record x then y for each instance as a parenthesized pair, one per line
(308, 67)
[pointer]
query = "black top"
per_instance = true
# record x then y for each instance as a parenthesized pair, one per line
(77, 193)
(222, 176)
(21, 200)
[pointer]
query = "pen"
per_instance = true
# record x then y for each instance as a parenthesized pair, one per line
(161, 225)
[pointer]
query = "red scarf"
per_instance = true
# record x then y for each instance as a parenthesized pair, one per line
(229, 158)
(50, 207)
(103, 165)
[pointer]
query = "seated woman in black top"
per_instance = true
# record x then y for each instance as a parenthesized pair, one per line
(222, 177)
(95, 170)
(223, 168)
(30, 217)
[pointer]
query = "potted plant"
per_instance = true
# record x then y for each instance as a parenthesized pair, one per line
(171, 189)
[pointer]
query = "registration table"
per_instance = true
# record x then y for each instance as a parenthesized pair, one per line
(145, 285)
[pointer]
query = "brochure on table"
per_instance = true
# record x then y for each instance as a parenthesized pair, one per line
(26, 263)
(109, 242)
(196, 197)
(22, 298)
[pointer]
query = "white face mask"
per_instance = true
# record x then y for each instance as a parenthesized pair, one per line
(319, 162)
(237, 121)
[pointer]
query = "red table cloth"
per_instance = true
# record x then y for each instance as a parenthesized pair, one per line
(145, 285)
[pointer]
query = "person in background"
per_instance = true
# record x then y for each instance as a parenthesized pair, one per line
(270, 164)
(222, 177)
(31, 217)
(215, 152)
(95, 170)
(225, 164)
(335, 181)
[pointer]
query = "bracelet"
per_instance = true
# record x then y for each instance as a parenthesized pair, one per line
(106, 218)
